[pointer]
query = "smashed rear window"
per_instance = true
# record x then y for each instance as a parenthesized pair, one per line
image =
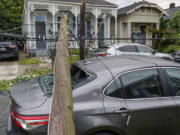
(78, 78)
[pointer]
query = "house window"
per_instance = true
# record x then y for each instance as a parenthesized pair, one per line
(40, 18)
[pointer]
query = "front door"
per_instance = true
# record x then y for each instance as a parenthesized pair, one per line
(151, 112)
(40, 27)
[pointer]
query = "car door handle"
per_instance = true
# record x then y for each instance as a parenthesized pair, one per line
(122, 110)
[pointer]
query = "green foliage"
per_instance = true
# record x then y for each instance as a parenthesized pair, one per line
(29, 75)
(74, 59)
(10, 14)
(168, 29)
(171, 48)
(29, 61)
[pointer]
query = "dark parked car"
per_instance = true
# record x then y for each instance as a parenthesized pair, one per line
(118, 95)
(8, 50)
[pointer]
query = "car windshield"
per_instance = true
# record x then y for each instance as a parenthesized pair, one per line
(5, 43)
(78, 76)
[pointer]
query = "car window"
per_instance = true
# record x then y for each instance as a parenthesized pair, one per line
(174, 75)
(142, 84)
(144, 49)
(78, 76)
(114, 89)
(128, 48)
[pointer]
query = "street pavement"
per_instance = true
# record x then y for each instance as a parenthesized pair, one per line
(4, 109)
(8, 70)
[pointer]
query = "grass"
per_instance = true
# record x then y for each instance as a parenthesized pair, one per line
(74, 59)
(29, 61)
(29, 75)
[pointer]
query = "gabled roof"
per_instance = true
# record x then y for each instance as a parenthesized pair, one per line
(171, 12)
(92, 2)
(131, 8)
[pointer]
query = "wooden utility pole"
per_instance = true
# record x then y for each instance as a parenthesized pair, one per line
(82, 31)
(61, 117)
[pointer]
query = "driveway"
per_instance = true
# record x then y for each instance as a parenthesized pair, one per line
(4, 109)
(8, 70)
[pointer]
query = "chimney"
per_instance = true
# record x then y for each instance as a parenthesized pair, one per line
(172, 5)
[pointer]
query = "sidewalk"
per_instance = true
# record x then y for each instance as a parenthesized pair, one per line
(8, 70)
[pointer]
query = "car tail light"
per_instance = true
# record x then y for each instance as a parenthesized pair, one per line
(29, 122)
(12, 46)
(102, 54)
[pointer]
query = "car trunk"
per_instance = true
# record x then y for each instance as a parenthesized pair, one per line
(27, 95)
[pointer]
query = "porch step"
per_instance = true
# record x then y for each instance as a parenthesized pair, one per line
(42, 53)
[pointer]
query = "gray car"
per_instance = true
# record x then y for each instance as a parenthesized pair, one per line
(118, 95)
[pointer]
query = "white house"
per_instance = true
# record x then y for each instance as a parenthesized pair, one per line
(42, 19)
(135, 19)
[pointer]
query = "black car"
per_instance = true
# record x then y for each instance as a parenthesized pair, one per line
(8, 50)
(118, 95)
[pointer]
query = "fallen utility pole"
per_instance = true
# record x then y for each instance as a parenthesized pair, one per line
(82, 31)
(61, 117)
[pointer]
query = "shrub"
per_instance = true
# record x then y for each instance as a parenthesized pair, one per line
(171, 48)
(29, 75)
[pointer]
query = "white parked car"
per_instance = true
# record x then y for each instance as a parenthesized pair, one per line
(130, 48)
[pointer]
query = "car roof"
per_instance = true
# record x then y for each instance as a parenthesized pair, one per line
(123, 63)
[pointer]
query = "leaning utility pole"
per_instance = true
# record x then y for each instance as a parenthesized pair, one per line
(82, 31)
(61, 117)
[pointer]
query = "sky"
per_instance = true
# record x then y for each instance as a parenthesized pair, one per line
(162, 3)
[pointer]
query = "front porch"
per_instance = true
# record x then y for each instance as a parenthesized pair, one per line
(44, 22)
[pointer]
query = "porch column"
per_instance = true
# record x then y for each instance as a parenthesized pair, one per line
(108, 27)
(54, 21)
(96, 31)
(121, 30)
(115, 28)
(157, 26)
(76, 26)
(129, 31)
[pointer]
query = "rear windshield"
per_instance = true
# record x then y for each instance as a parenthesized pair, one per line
(78, 77)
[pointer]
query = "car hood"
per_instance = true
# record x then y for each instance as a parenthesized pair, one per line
(27, 94)
(161, 54)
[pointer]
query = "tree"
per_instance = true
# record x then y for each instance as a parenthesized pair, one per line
(11, 14)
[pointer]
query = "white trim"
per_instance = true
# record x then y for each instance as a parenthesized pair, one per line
(71, 3)
(146, 5)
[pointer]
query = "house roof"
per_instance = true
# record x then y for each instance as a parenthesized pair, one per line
(136, 5)
(171, 12)
(93, 2)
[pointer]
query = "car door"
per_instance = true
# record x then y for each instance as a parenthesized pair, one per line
(173, 78)
(128, 49)
(115, 106)
(151, 111)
